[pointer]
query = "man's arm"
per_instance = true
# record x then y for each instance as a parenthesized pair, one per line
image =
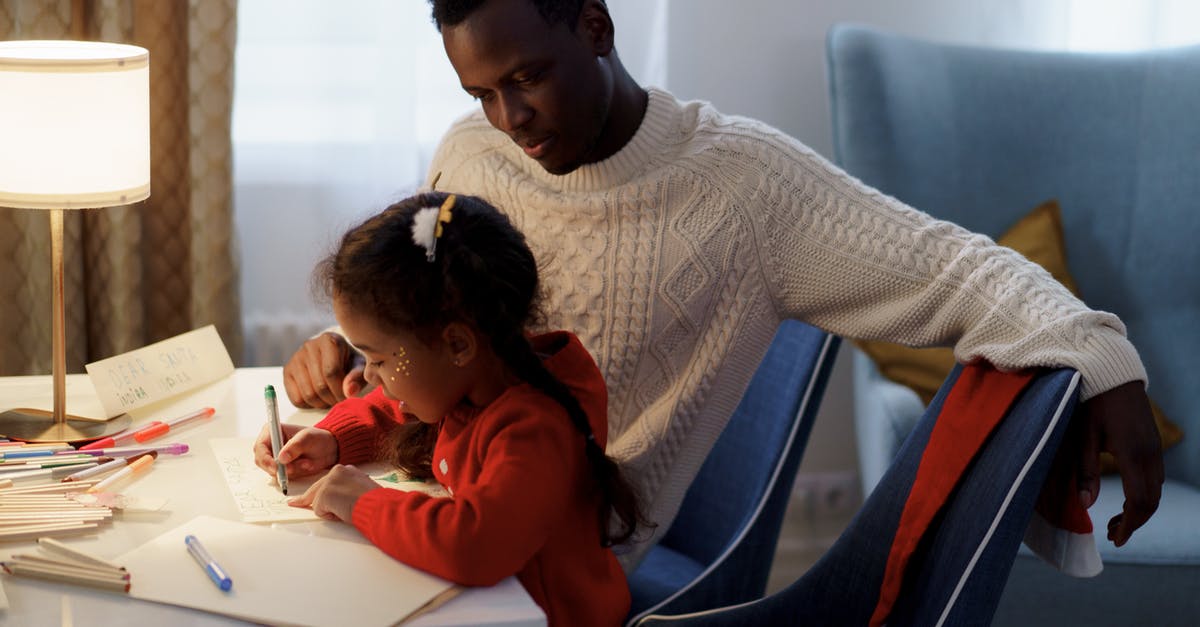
(1119, 421)
(902, 276)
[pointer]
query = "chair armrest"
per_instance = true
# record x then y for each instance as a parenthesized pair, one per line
(956, 571)
(884, 414)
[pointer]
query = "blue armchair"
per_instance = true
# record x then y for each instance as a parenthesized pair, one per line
(981, 136)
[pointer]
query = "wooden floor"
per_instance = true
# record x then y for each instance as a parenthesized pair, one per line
(805, 536)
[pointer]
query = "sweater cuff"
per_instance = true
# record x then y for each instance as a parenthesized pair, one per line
(369, 509)
(358, 440)
(1111, 361)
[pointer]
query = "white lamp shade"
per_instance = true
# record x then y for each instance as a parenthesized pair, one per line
(74, 124)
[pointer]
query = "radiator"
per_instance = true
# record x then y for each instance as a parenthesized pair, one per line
(271, 338)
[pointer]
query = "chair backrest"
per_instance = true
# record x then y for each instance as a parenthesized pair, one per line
(729, 521)
(958, 572)
(981, 136)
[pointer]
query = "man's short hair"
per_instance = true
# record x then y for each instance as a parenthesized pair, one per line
(453, 12)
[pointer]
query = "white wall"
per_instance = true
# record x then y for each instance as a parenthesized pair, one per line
(766, 58)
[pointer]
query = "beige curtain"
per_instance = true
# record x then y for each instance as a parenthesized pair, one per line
(140, 273)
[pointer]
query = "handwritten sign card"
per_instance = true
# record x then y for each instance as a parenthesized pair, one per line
(159, 371)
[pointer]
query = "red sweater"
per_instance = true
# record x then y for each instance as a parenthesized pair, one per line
(523, 499)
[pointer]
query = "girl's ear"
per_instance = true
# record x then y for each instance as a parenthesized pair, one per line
(461, 343)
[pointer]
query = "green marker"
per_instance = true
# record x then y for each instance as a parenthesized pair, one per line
(276, 435)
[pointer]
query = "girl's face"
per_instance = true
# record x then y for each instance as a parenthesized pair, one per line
(424, 378)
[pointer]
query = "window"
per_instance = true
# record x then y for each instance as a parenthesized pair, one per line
(337, 110)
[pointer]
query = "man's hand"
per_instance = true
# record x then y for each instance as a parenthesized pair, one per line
(1119, 421)
(324, 370)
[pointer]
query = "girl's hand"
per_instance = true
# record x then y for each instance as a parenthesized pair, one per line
(333, 496)
(306, 451)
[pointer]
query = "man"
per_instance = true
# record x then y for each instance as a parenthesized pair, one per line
(674, 239)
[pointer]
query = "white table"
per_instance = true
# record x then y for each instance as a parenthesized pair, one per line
(194, 486)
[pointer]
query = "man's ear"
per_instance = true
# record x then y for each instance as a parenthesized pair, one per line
(461, 342)
(596, 25)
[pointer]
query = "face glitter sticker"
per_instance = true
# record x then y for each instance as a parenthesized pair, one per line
(402, 363)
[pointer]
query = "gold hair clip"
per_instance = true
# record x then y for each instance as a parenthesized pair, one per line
(444, 215)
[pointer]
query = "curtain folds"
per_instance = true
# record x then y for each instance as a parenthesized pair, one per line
(140, 273)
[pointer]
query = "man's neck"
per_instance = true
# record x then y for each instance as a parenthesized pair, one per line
(625, 114)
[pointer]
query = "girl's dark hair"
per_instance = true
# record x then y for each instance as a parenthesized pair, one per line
(483, 275)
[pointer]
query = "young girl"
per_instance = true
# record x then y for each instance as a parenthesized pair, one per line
(437, 292)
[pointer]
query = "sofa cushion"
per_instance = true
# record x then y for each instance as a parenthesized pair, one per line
(1159, 566)
(1170, 536)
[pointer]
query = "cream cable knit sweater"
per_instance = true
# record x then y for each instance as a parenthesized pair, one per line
(675, 259)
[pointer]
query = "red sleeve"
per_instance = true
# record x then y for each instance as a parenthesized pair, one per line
(491, 527)
(359, 425)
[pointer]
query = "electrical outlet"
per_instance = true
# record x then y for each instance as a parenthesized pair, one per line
(825, 494)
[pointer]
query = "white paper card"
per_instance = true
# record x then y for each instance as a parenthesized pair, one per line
(257, 494)
(161, 370)
(275, 573)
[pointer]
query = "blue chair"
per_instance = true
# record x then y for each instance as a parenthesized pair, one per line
(980, 136)
(719, 548)
(957, 573)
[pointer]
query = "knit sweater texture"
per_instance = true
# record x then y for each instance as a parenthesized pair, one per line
(523, 499)
(675, 259)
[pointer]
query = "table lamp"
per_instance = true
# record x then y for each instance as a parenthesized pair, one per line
(74, 134)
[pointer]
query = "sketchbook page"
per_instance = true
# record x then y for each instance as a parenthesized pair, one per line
(257, 494)
(275, 573)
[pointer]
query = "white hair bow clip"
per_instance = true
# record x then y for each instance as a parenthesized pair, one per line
(427, 226)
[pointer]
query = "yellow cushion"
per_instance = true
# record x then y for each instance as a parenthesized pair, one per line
(1038, 236)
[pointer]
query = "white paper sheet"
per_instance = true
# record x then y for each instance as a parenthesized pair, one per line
(279, 578)
(257, 494)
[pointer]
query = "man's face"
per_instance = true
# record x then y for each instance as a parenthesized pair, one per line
(545, 86)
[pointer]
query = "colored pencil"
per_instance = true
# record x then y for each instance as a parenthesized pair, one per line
(52, 546)
(67, 576)
(31, 532)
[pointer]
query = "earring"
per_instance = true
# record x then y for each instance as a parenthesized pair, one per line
(402, 363)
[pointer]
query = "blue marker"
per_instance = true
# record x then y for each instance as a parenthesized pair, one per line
(26, 454)
(210, 566)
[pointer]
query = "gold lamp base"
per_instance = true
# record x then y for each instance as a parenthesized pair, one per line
(39, 425)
